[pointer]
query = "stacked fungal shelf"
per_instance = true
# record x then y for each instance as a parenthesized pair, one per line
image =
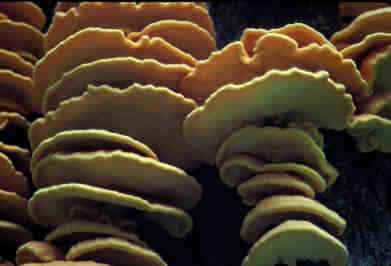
(367, 41)
(109, 155)
(21, 45)
(260, 124)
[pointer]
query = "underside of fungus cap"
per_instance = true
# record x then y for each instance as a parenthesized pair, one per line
(276, 209)
(185, 35)
(115, 164)
(92, 44)
(114, 251)
(152, 115)
(264, 185)
(120, 72)
(27, 12)
(296, 93)
(13, 235)
(369, 22)
(71, 233)
(371, 132)
(274, 144)
(280, 245)
(19, 89)
(37, 252)
(53, 206)
(242, 167)
(303, 34)
(12, 61)
(130, 17)
(89, 140)
(18, 36)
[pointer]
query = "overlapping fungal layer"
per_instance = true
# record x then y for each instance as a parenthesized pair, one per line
(15, 223)
(110, 145)
(116, 179)
(170, 33)
(21, 44)
(260, 125)
(367, 41)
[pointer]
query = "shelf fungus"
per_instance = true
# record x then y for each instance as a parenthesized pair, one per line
(159, 128)
(26, 12)
(367, 41)
(276, 209)
(278, 49)
(15, 223)
(367, 23)
(237, 170)
(273, 145)
(37, 252)
(115, 163)
(232, 106)
(21, 45)
(120, 72)
(65, 6)
(129, 17)
(279, 245)
(66, 263)
(116, 179)
(105, 44)
(260, 125)
(347, 11)
(25, 38)
(115, 252)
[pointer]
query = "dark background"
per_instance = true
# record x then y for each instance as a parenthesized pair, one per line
(361, 195)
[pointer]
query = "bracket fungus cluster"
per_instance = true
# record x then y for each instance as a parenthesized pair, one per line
(134, 97)
(110, 144)
(367, 41)
(259, 123)
(21, 45)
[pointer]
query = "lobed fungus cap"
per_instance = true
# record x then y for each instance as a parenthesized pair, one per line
(276, 209)
(24, 11)
(115, 252)
(37, 252)
(120, 71)
(365, 24)
(273, 144)
(280, 245)
(12, 61)
(21, 37)
(240, 168)
(264, 185)
(76, 231)
(92, 44)
(51, 206)
(155, 116)
(297, 92)
(128, 16)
